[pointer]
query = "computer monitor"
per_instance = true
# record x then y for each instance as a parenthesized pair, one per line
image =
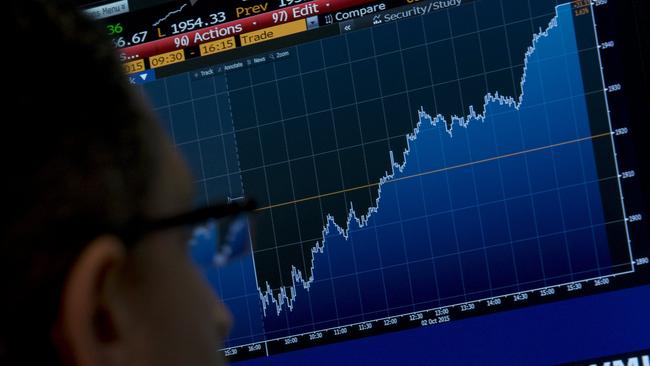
(439, 182)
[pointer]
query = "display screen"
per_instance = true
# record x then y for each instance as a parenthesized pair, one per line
(419, 166)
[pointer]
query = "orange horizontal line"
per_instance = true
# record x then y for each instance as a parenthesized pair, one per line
(432, 172)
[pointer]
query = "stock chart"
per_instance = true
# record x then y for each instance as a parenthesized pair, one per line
(423, 163)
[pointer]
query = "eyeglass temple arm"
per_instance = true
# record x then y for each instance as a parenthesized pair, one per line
(217, 211)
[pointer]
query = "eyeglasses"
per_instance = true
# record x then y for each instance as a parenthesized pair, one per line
(220, 233)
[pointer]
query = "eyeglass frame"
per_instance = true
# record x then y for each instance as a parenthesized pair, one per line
(139, 228)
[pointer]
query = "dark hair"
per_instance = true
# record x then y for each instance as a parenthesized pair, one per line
(76, 162)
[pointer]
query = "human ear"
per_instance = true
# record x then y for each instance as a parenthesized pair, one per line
(91, 322)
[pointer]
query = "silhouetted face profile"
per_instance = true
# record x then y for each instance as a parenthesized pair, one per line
(163, 312)
(143, 303)
(84, 157)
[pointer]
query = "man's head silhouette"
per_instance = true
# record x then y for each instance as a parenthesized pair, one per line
(82, 157)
